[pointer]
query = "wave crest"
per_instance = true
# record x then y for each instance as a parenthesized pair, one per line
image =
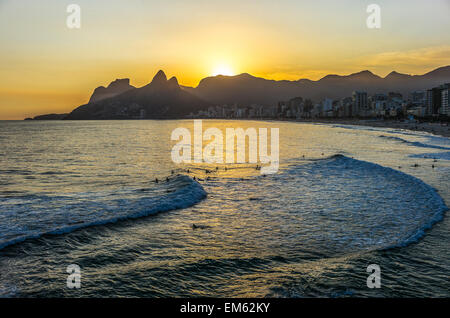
(30, 217)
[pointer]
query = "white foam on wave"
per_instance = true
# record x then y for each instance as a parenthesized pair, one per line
(341, 206)
(434, 155)
(32, 217)
(430, 198)
(415, 143)
(8, 291)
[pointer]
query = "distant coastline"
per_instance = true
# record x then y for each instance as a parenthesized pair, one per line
(374, 101)
(435, 128)
(357, 95)
(48, 117)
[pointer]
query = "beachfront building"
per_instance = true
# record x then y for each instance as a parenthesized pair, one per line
(419, 98)
(417, 111)
(346, 105)
(317, 110)
(359, 103)
(435, 98)
(418, 106)
(270, 112)
(395, 104)
(327, 107)
(445, 107)
(378, 104)
(430, 101)
(296, 106)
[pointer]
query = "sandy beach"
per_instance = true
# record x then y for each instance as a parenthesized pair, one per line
(440, 129)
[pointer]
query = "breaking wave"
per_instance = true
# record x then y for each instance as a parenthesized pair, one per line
(337, 205)
(415, 143)
(410, 205)
(31, 216)
(344, 205)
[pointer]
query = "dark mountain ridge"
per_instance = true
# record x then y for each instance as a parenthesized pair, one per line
(163, 98)
(159, 99)
(116, 87)
(246, 89)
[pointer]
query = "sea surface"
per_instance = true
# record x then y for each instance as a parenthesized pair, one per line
(345, 197)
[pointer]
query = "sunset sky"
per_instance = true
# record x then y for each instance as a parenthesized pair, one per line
(47, 67)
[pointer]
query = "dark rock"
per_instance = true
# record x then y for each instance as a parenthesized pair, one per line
(160, 99)
(115, 88)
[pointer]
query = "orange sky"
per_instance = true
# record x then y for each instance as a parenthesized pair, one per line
(46, 67)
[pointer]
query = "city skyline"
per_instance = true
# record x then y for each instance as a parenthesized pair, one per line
(245, 96)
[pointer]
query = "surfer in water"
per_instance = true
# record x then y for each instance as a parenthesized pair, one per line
(195, 226)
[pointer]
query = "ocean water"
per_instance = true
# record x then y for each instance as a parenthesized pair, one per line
(344, 197)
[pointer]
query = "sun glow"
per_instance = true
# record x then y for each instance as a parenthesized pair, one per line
(222, 69)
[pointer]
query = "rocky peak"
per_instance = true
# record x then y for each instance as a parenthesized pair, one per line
(160, 77)
(114, 88)
(366, 74)
(120, 82)
(396, 75)
(173, 82)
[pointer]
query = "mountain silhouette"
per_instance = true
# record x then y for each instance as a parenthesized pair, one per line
(396, 76)
(159, 99)
(245, 89)
(163, 98)
(114, 88)
(48, 117)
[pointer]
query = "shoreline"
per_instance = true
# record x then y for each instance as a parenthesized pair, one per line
(437, 129)
(434, 128)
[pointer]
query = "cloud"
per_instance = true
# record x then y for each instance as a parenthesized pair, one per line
(424, 57)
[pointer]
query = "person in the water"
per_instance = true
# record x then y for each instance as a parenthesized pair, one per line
(195, 226)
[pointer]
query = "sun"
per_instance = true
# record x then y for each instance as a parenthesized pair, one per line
(222, 69)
